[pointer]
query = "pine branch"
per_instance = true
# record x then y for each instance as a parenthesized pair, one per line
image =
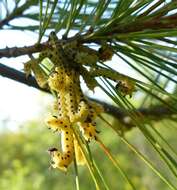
(16, 75)
(18, 51)
(169, 22)
(27, 50)
(153, 113)
(17, 12)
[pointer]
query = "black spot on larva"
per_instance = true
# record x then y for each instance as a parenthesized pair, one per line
(68, 155)
(90, 134)
(65, 166)
(88, 120)
(67, 146)
(66, 139)
(66, 126)
(58, 154)
(52, 162)
(61, 122)
(97, 131)
(66, 132)
(83, 100)
(68, 151)
(52, 149)
(62, 157)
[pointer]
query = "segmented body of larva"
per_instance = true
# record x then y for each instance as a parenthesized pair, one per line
(88, 130)
(62, 160)
(80, 160)
(67, 63)
(72, 106)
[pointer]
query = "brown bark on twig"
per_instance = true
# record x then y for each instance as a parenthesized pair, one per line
(156, 113)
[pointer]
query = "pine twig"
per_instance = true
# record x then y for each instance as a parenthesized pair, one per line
(17, 12)
(155, 113)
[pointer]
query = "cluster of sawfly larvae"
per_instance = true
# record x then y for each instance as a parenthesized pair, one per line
(71, 108)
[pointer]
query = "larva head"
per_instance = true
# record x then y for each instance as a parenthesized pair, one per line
(27, 68)
(51, 150)
(105, 53)
(55, 157)
(59, 160)
(53, 38)
(126, 87)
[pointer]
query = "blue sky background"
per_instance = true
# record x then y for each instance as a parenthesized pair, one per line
(19, 102)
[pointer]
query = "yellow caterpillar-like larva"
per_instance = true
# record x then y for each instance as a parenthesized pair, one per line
(40, 75)
(62, 106)
(88, 79)
(88, 126)
(80, 160)
(88, 130)
(75, 101)
(105, 53)
(70, 97)
(56, 79)
(126, 87)
(95, 109)
(71, 107)
(81, 113)
(62, 160)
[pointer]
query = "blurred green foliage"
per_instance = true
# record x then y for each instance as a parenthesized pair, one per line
(24, 160)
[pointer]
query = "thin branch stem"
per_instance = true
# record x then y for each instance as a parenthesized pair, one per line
(17, 12)
(153, 113)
